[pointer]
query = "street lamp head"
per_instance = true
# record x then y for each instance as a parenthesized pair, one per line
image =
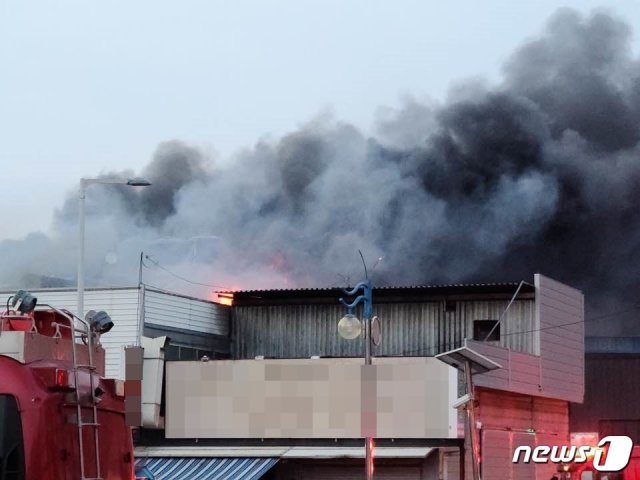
(349, 327)
(138, 182)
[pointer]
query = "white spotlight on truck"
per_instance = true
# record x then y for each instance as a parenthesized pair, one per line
(100, 322)
(23, 301)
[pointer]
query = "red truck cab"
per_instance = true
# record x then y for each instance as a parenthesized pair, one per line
(42, 389)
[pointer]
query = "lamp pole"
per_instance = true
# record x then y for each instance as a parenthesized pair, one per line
(84, 183)
(369, 412)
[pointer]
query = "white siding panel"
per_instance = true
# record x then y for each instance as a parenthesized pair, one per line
(522, 362)
(562, 347)
(567, 369)
(168, 310)
(554, 304)
(120, 303)
(524, 369)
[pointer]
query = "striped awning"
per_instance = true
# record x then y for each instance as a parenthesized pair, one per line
(199, 468)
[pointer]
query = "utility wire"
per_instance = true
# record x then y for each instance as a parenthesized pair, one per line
(419, 351)
(179, 277)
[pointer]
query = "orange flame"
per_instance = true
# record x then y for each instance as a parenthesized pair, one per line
(225, 298)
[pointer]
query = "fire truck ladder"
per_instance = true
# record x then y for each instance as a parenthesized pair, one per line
(90, 369)
(92, 423)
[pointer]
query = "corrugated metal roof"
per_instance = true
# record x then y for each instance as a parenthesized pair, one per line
(383, 294)
(498, 285)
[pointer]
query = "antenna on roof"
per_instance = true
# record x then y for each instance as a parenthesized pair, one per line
(366, 274)
(377, 263)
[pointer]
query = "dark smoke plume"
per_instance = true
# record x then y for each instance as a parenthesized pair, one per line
(538, 174)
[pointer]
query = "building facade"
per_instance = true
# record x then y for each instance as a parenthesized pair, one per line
(268, 388)
(298, 372)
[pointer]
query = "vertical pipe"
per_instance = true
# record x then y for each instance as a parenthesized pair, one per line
(77, 389)
(142, 297)
(80, 305)
(94, 427)
(367, 361)
(140, 270)
(475, 450)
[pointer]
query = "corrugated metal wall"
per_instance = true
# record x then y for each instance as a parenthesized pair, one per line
(609, 377)
(408, 329)
(185, 313)
(120, 303)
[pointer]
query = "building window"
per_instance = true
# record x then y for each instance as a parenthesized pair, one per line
(481, 329)
(174, 353)
(449, 306)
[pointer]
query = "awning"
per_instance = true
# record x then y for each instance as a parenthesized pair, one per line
(199, 468)
(275, 452)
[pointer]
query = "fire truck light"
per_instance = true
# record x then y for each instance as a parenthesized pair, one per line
(62, 378)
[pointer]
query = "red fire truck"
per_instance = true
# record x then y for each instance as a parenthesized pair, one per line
(586, 470)
(59, 418)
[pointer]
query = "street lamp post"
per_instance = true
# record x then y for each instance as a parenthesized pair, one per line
(84, 183)
(349, 327)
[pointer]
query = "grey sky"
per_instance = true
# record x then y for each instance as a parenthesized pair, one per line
(88, 87)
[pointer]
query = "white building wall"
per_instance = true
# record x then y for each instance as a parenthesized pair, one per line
(175, 311)
(125, 305)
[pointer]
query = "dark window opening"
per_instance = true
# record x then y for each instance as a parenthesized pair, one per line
(175, 353)
(449, 306)
(481, 329)
(172, 353)
(11, 441)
